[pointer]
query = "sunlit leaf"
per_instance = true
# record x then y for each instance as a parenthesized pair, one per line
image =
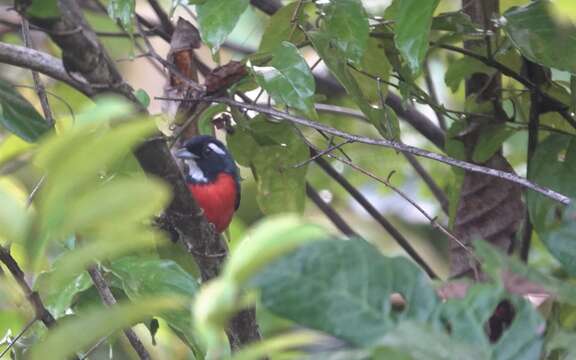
(267, 241)
(95, 325)
(14, 218)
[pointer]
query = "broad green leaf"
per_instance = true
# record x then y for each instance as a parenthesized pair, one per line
(125, 201)
(271, 150)
(11, 147)
(14, 218)
(86, 154)
(43, 9)
(343, 288)
(267, 241)
(420, 341)
(277, 345)
(288, 79)
(103, 247)
(373, 62)
(456, 22)
(217, 19)
(58, 299)
(461, 69)
(335, 61)
(413, 23)
(145, 277)
(490, 140)
(553, 165)
(346, 22)
(123, 11)
(280, 28)
(95, 325)
(540, 37)
(19, 116)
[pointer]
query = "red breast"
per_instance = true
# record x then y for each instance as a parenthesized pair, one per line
(217, 199)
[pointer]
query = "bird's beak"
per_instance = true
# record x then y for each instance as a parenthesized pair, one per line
(183, 153)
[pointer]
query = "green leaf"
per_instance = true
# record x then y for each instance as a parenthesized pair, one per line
(123, 11)
(413, 23)
(279, 28)
(142, 277)
(456, 22)
(19, 116)
(420, 341)
(288, 79)
(14, 218)
(142, 97)
(540, 37)
(335, 61)
(271, 238)
(11, 147)
(346, 22)
(553, 165)
(217, 19)
(461, 69)
(125, 201)
(86, 154)
(43, 9)
(375, 63)
(343, 288)
(95, 325)
(59, 298)
(102, 247)
(271, 150)
(490, 140)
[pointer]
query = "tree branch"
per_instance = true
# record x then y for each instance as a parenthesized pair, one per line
(360, 199)
(389, 144)
(329, 211)
(43, 63)
(267, 6)
(109, 299)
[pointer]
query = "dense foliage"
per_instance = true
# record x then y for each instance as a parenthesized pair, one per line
(346, 96)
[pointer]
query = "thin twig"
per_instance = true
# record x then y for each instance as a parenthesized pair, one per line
(93, 348)
(389, 144)
(429, 181)
(370, 209)
(322, 153)
(34, 191)
(329, 211)
(433, 94)
(431, 219)
(17, 337)
(108, 299)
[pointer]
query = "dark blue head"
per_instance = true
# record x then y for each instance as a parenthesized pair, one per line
(206, 157)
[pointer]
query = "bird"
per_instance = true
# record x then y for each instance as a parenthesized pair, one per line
(212, 178)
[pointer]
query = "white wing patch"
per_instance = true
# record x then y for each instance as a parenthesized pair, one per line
(217, 149)
(195, 172)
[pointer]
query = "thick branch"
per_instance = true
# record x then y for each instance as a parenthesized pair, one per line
(329, 211)
(108, 299)
(357, 195)
(391, 144)
(43, 63)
